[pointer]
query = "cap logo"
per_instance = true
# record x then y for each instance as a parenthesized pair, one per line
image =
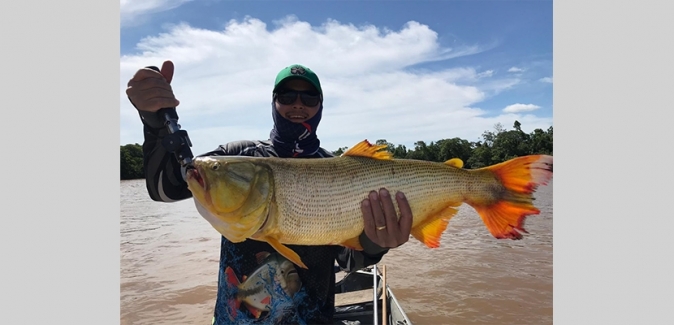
(298, 70)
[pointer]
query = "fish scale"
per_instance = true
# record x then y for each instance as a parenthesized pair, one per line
(315, 207)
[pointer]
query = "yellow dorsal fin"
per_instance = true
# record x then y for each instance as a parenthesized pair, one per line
(284, 251)
(430, 230)
(353, 243)
(368, 150)
(455, 162)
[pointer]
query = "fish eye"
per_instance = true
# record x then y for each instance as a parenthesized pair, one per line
(215, 166)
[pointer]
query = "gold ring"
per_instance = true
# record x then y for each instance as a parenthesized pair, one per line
(381, 228)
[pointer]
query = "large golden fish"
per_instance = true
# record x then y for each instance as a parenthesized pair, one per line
(317, 201)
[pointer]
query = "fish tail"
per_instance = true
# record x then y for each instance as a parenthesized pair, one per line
(512, 199)
(231, 278)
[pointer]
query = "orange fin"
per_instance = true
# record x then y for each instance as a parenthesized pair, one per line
(524, 174)
(353, 243)
(231, 276)
(455, 162)
(254, 311)
(368, 150)
(234, 304)
(429, 231)
(520, 177)
(284, 251)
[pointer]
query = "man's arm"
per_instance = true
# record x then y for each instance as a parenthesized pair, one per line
(163, 174)
(149, 90)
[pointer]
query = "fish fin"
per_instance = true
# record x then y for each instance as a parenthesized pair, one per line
(353, 243)
(454, 162)
(524, 174)
(261, 256)
(254, 311)
(520, 177)
(266, 301)
(284, 251)
(231, 276)
(234, 304)
(368, 150)
(429, 231)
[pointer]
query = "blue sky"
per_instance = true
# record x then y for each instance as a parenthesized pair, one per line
(403, 71)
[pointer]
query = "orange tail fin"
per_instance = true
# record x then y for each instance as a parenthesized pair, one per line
(520, 177)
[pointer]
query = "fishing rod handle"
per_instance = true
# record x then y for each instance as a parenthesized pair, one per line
(178, 141)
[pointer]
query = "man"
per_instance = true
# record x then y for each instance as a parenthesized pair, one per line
(255, 283)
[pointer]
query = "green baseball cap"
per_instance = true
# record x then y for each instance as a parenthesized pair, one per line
(298, 71)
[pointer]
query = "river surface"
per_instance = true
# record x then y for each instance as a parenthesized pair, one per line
(169, 265)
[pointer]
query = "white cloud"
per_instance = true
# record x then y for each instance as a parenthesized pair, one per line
(546, 79)
(515, 69)
(372, 89)
(133, 11)
(485, 74)
(517, 108)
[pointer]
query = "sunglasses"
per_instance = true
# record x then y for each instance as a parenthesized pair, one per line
(287, 97)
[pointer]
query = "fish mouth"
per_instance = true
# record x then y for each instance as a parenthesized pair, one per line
(193, 173)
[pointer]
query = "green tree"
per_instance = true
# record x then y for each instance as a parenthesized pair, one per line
(455, 148)
(423, 152)
(541, 142)
(510, 144)
(131, 161)
(340, 151)
(481, 156)
(400, 152)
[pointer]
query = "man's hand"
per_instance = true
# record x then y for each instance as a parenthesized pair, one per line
(150, 90)
(381, 222)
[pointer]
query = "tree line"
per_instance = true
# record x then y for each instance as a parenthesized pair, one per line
(494, 147)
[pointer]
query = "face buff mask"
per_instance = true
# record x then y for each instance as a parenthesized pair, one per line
(295, 139)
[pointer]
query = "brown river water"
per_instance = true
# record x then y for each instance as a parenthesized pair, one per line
(169, 265)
